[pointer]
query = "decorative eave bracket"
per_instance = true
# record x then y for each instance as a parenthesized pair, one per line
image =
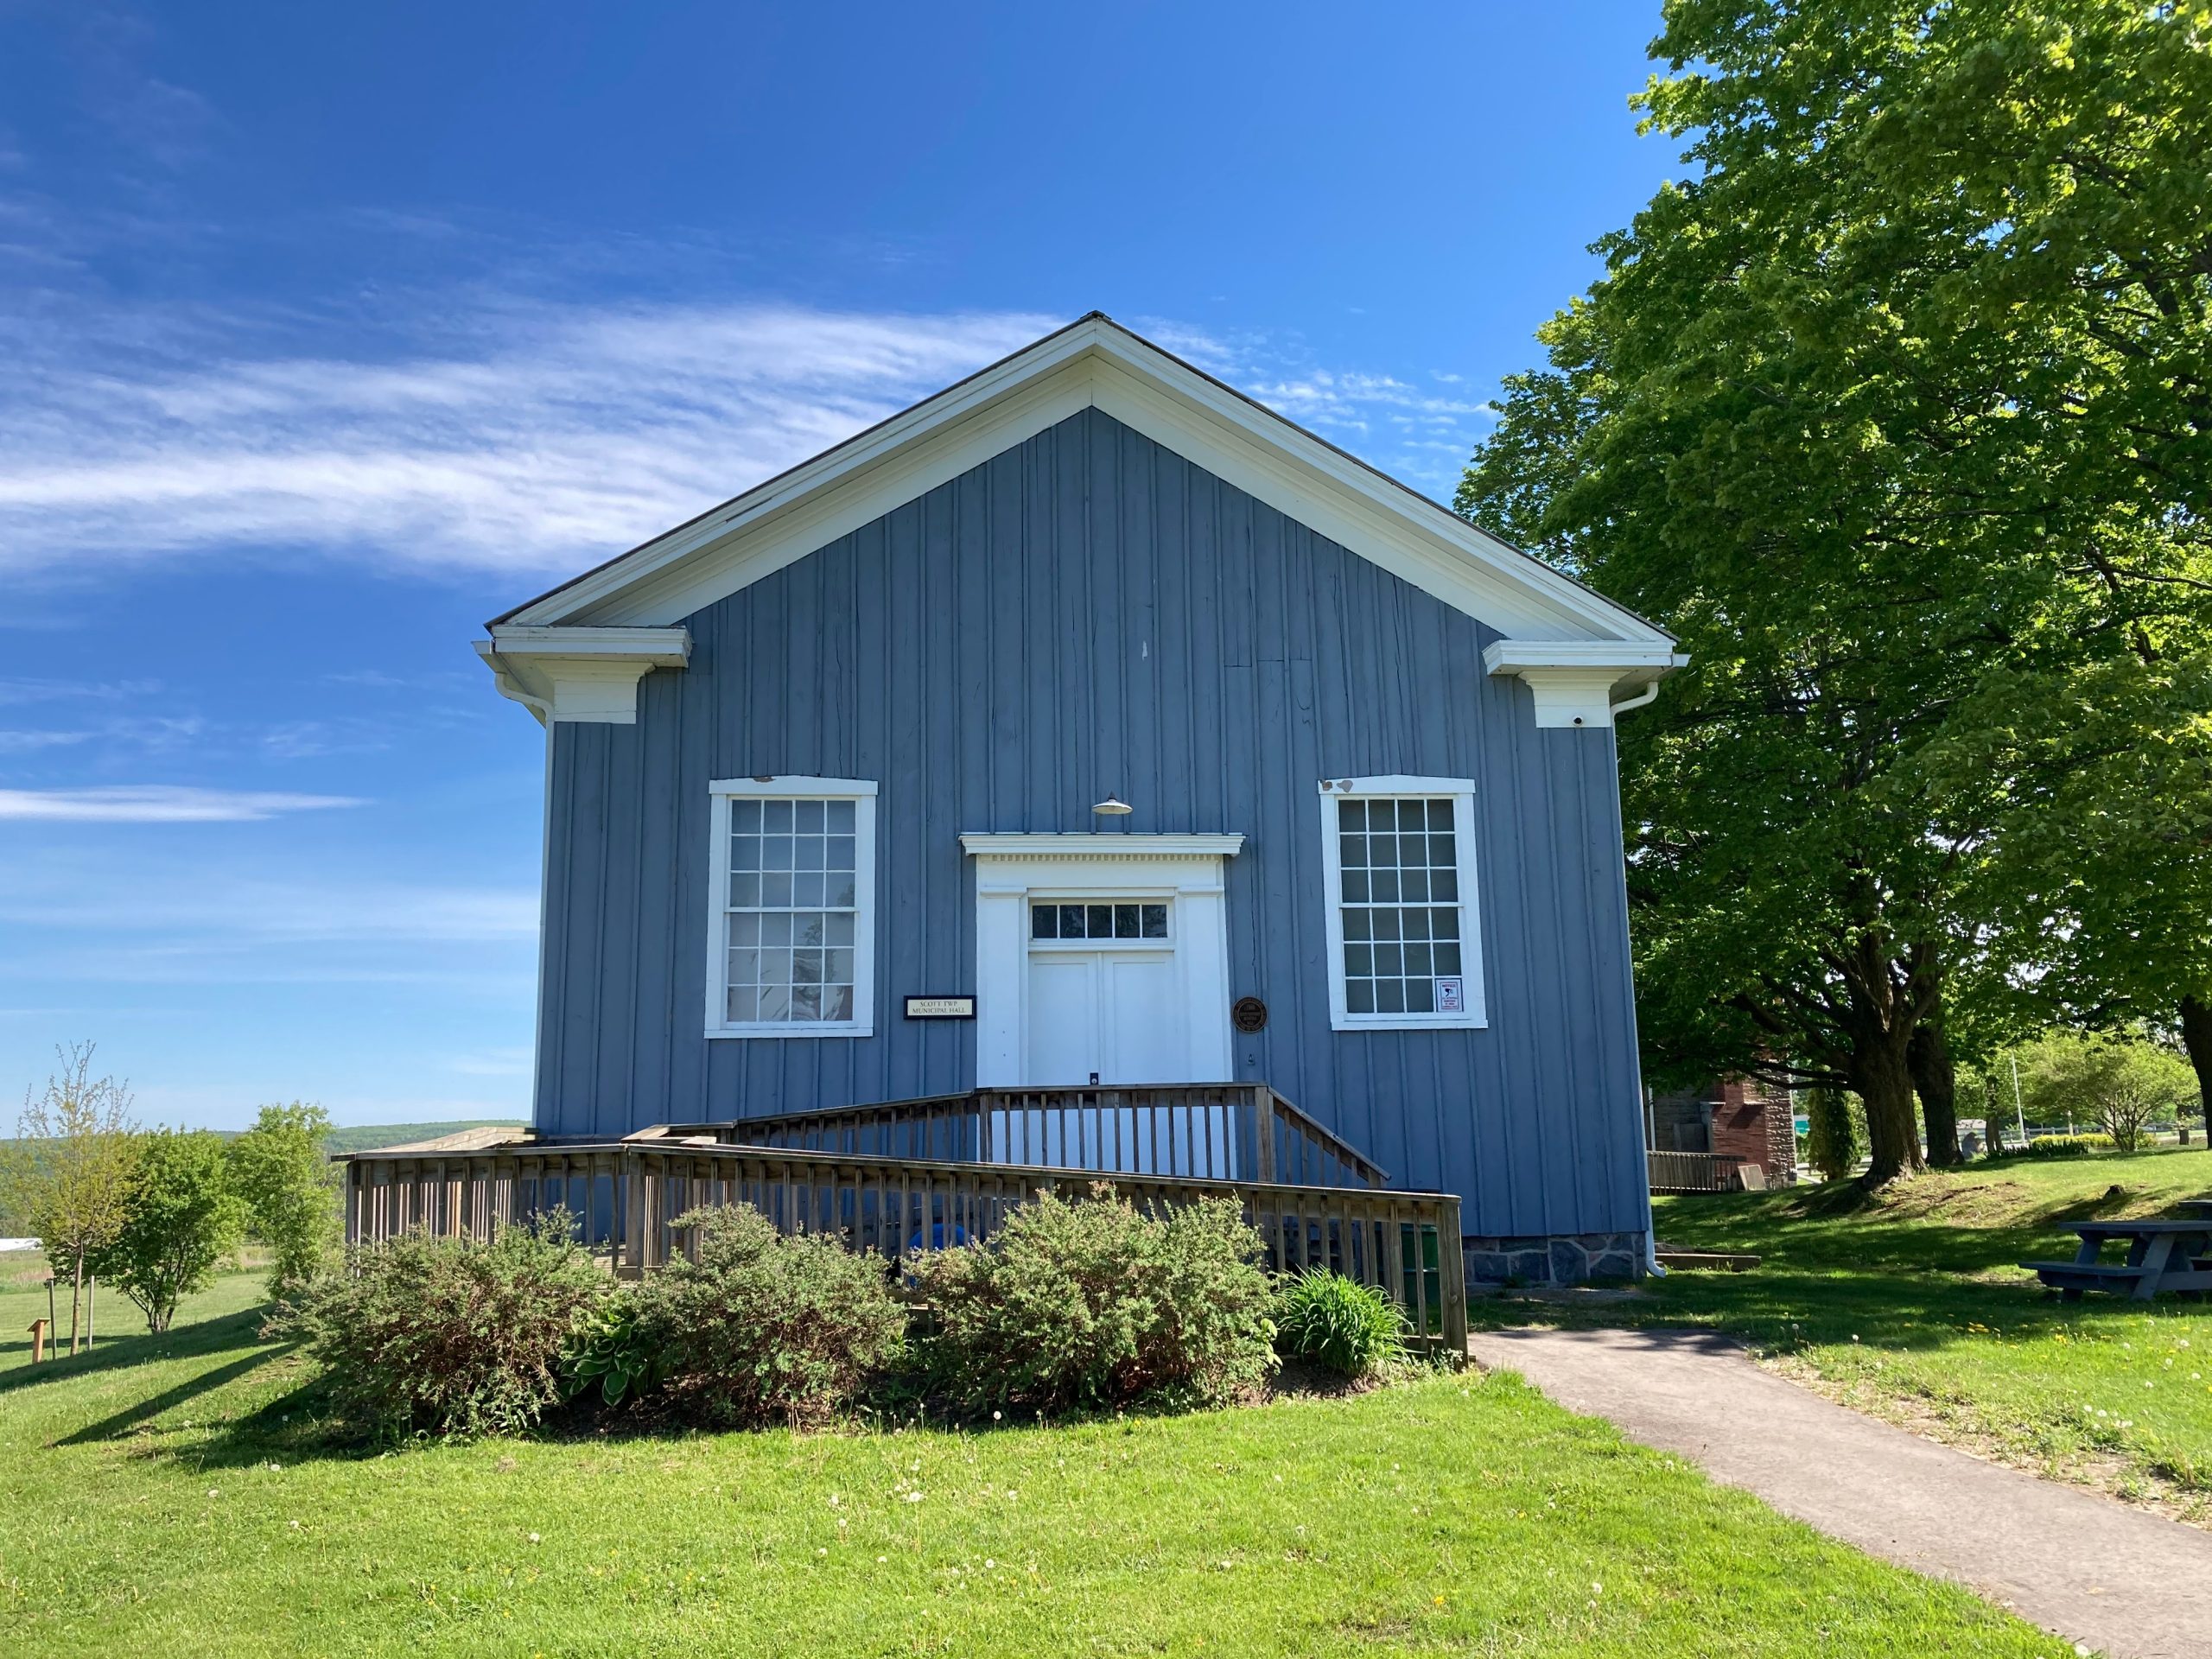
(578, 673)
(1583, 683)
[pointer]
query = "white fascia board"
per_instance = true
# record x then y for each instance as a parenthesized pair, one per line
(589, 674)
(1648, 660)
(1094, 364)
(1075, 844)
(656, 647)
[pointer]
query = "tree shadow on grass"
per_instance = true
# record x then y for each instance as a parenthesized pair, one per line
(192, 1388)
(230, 1331)
(1781, 1309)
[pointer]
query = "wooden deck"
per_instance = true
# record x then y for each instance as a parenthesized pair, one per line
(1689, 1172)
(908, 1176)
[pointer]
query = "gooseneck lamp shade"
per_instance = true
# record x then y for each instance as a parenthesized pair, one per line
(1112, 808)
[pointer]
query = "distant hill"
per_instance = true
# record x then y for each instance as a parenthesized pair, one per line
(360, 1137)
(367, 1137)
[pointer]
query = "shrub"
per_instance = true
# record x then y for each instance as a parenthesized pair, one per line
(2068, 1145)
(1338, 1323)
(1095, 1304)
(764, 1329)
(446, 1336)
(1831, 1140)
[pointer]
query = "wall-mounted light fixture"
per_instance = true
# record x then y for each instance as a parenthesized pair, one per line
(1112, 808)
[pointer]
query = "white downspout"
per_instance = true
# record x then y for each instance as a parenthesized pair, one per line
(1647, 695)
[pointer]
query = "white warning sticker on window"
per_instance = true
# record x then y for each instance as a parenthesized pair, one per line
(1451, 995)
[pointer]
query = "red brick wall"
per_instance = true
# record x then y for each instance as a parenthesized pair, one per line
(1752, 1123)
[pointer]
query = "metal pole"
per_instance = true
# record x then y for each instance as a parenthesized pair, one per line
(91, 1302)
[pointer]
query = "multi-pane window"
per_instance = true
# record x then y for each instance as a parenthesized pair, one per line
(1402, 908)
(795, 888)
(1096, 921)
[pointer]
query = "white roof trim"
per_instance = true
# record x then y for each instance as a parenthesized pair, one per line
(1081, 844)
(1624, 659)
(1095, 363)
(580, 674)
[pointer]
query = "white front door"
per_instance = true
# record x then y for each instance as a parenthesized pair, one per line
(1101, 954)
(1102, 1012)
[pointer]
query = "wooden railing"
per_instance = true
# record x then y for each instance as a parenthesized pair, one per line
(1207, 1131)
(626, 1196)
(1689, 1172)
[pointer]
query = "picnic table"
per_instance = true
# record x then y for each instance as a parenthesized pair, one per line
(2164, 1254)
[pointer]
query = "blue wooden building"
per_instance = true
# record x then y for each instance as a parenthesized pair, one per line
(1090, 723)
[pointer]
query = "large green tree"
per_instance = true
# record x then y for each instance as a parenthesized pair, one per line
(1897, 412)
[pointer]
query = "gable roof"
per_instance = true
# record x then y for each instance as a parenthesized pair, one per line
(1094, 362)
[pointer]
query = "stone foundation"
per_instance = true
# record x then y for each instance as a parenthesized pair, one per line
(1554, 1258)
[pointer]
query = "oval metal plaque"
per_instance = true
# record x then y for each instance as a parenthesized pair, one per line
(1248, 1014)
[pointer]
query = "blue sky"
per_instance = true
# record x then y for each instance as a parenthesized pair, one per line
(333, 331)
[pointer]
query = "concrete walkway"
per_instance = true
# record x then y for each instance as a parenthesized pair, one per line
(2120, 1581)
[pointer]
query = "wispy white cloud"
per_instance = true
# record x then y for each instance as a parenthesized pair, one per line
(532, 438)
(157, 804)
(528, 438)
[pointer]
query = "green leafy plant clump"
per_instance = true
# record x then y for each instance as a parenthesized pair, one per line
(760, 1329)
(1094, 1304)
(1339, 1323)
(448, 1336)
(2068, 1145)
(613, 1352)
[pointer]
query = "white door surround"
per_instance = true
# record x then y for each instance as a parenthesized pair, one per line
(1184, 870)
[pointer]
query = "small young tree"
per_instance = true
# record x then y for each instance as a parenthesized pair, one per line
(179, 1219)
(1831, 1140)
(73, 1164)
(2125, 1083)
(289, 1186)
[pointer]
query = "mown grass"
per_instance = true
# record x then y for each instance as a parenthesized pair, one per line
(1912, 1304)
(177, 1495)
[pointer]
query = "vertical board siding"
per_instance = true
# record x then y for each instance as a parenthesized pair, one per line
(1090, 613)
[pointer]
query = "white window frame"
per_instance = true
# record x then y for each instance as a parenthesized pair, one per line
(862, 794)
(1462, 793)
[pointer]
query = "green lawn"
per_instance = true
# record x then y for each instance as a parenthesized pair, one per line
(171, 1496)
(1912, 1306)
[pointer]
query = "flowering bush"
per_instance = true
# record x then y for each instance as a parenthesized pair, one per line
(765, 1329)
(449, 1336)
(1093, 1304)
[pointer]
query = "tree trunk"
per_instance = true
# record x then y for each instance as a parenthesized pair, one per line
(2197, 1038)
(1884, 1082)
(1934, 1079)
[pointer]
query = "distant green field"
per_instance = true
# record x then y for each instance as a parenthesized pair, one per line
(1912, 1306)
(367, 1137)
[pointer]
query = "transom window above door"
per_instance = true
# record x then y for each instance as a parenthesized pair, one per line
(791, 931)
(1404, 951)
(1070, 919)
